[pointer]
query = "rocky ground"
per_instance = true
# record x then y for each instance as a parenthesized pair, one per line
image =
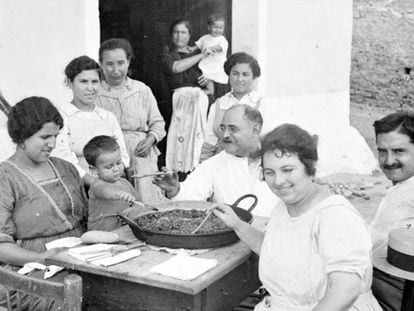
(382, 81)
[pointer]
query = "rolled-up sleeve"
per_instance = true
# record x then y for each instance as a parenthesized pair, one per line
(344, 241)
(199, 185)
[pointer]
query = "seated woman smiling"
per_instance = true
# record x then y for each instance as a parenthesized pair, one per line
(316, 251)
(42, 197)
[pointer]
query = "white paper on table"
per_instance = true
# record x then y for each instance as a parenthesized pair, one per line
(49, 270)
(118, 258)
(70, 241)
(87, 252)
(184, 267)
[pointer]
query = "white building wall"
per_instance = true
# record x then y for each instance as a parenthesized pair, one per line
(304, 50)
(38, 39)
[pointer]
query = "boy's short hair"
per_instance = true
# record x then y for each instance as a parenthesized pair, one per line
(215, 18)
(97, 146)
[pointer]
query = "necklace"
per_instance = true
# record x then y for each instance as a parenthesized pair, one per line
(51, 200)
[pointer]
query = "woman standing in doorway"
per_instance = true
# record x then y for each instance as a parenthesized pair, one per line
(189, 100)
(136, 109)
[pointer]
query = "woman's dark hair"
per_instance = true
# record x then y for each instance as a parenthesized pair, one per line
(401, 122)
(291, 139)
(116, 43)
(242, 58)
(185, 22)
(79, 64)
(97, 146)
(28, 117)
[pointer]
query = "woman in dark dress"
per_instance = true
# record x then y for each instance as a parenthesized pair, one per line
(187, 116)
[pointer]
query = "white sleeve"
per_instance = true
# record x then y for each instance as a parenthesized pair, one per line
(63, 150)
(344, 241)
(117, 132)
(210, 136)
(199, 43)
(224, 44)
(199, 184)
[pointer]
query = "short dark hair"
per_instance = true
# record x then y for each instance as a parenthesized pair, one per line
(97, 146)
(116, 43)
(185, 22)
(291, 139)
(401, 122)
(28, 117)
(79, 64)
(215, 18)
(242, 58)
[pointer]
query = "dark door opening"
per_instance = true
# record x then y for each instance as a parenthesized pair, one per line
(145, 23)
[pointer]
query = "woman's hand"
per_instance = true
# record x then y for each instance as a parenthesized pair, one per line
(227, 215)
(168, 182)
(207, 52)
(202, 81)
(143, 148)
(252, 236)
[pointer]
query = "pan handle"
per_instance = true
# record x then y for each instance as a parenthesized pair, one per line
(245, 197)
(133, 225)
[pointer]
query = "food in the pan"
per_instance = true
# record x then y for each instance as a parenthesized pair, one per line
(181, 221)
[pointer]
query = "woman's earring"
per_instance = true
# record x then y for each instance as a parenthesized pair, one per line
(22, 146)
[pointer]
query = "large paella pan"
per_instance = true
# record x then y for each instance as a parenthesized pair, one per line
(172, 224)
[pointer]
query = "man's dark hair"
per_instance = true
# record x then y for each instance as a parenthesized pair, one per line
(401, 122)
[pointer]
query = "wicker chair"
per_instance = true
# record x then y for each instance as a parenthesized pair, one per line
(67, 295)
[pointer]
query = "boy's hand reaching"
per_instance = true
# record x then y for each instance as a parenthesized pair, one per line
(126, 196)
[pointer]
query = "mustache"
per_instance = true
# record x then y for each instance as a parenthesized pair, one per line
(392, 166)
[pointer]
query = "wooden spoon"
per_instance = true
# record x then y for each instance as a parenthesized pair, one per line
(205, 219)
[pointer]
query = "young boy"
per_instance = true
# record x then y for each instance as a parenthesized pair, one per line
(104, 158)
(213, 66)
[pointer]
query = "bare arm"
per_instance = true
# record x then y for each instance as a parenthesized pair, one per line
(341, 292)
(107, 191)
(186, 63)
(252, 236)
(13, 254)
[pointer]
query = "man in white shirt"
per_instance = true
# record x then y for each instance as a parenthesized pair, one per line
(395, 140)
(233, 172)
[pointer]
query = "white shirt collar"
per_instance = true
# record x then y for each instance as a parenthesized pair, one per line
(70, 110)
(108, 88)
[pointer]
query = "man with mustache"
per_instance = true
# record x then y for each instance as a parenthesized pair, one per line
(231, 173)
(395, 140)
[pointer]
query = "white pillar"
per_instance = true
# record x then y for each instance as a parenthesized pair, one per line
(304, 50)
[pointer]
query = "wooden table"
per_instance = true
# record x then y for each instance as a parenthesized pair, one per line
(131, 286)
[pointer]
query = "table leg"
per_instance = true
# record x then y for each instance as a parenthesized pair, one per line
(407, 303)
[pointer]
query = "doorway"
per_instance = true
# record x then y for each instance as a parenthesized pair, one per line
(145, 23)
